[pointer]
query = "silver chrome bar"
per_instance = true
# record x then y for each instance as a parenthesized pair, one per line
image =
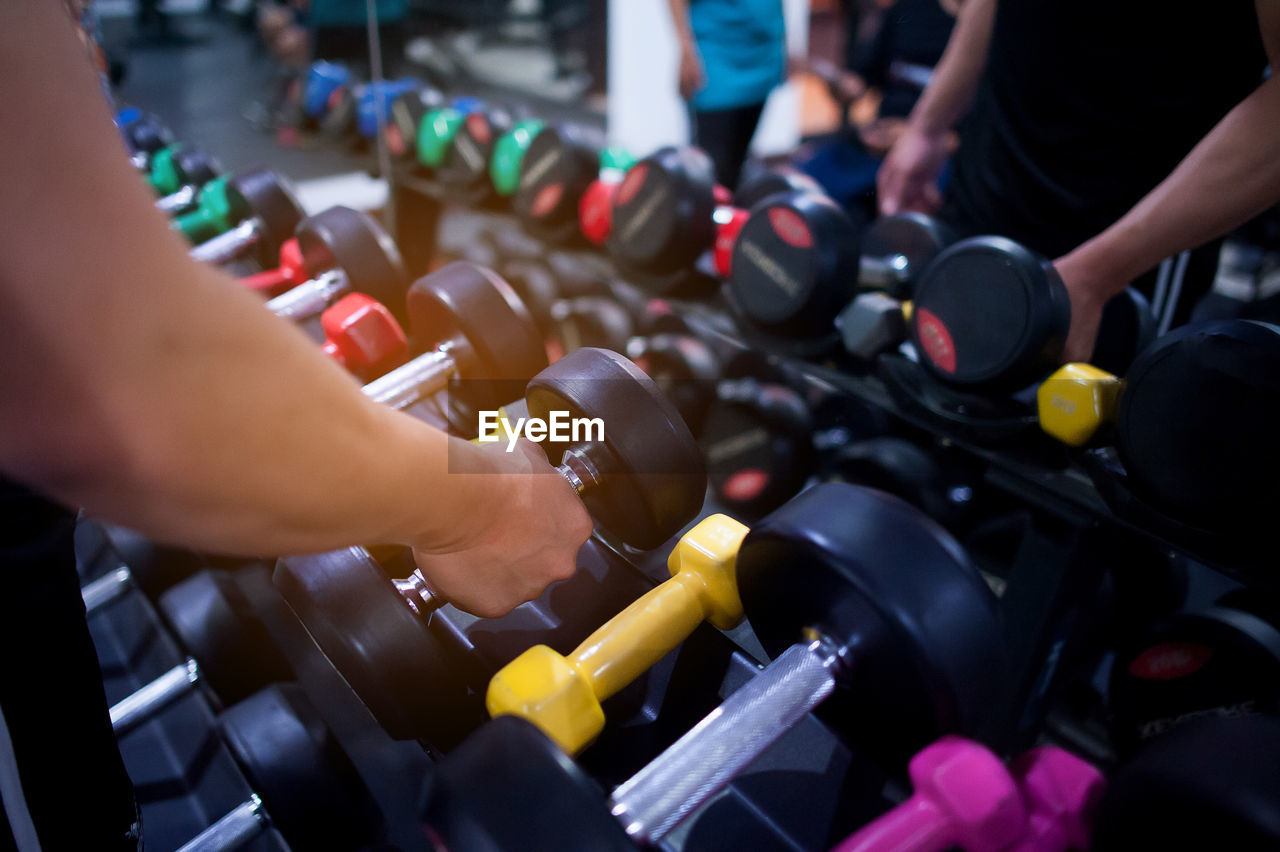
(310, 297)
(883, 272)
(411, 382)
(107, 589)
(132, 711)
(229, 245)
(702, 763)
(234, 830)
(176, 202)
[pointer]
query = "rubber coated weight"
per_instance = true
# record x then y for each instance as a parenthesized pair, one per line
(536, 286)
(1128, 327)
(661, 215)
(686, 369)
(759, 184)
(1198, 419)
(495, 340)
(757, 440)
(373, 106)
(194, 166)
(592, 321)
(508, 155)
(873, 574)
(1211, 784)
(216, 210)
(1223, 661)
(349, 240)
(652, 476)
(380, 646)
(435, 137)
(308, 784)
(541, 800)
(555, 172)
(270, 198)
(990, 312)
(146, 135)
(215, 623)
(795, 264)
(903, 469)
(897, 249)
(407, 112)
(466, 167)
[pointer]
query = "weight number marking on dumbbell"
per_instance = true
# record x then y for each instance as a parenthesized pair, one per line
(540, 167)
(737, 445)
(770, 267)
(643, 215)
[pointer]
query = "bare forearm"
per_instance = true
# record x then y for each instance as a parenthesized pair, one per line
(955, 79)
(1231, 176)
(680, 19)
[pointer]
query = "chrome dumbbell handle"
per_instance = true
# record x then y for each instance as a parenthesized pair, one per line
(228, 245)
(702, 763)
(132, 711)
(883, 272)
(412, 382)
(232, 831)
(105, 590)
(176, 202)
(310, 297)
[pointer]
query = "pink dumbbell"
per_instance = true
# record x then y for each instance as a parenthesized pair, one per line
(964, 796)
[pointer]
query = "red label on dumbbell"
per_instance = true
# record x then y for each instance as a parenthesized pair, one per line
(936, 341)
(726, 236)
(790, 228)
(1170, 660)
(335, 97)
(395, 140)
(546, 200)
(595, 210)
(478, 127)
(631, 184)
(745, 485)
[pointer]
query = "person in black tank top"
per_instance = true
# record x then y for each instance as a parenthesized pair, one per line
(1082, 113)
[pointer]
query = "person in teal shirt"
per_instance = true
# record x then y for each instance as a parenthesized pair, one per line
(732, 54)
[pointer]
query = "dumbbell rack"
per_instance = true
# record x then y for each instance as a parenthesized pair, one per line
(1061, 559)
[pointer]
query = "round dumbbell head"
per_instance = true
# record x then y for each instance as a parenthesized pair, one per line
(1211, 784)
(499, 340)
(592, 321)
(556, 170)
(311, 790)
(909, 241)
(757, 439)
(1197, 423)
(147, 135)
(990, 312)
(795, 264)
(194, 166)
(482, 798)
(901, 468)
(407, 111)
(662, 211)
(653, 479)
(760, 183)
(686, 369)
(382, 649)
(1128, 327)
(535, 285)
(466, 166)
(876, 576)
(1224, 661)
(509, 153)
(435, 135)
(215, 623)
(349, 240)
(264, 194)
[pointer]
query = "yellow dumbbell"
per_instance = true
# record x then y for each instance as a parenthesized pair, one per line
(562, 695)
(1075, 401)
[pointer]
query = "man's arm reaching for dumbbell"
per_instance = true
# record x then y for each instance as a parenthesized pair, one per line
(153, 392)
(908, 179)
(1232, 175)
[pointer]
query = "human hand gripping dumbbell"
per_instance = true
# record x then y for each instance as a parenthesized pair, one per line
(836, 569)
(966, 798)
(641, 481)
(255, 210)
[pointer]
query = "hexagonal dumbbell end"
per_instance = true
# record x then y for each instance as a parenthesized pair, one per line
(562, 695)
(1061, 792)
(1075, 401)
(362, 335)
(964, 796)
(873, 322)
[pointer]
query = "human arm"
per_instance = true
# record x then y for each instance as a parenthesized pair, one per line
(692, 75)
(908, 179)
(155, 393)
(1229, 177)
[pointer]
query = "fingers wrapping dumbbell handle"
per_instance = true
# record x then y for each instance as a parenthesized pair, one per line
(105, 590)
(229, 245)
(310, 297)
(132, 711)
(916, 825)
(232, 831)
(178, 201)
(702, 763)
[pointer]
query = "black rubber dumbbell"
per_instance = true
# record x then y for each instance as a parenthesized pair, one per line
(407, 111)
(266, 213)
(642, 482)
(835, 569)
(465, 170)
